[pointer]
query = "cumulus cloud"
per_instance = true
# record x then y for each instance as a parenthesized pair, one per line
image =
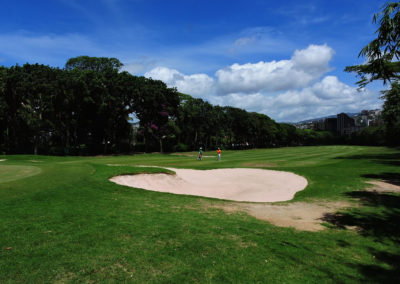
(313, 60)
(326, 97)
(196, 84)
(286, 90)
(304, 67)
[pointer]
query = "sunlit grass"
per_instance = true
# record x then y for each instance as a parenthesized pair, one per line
(68, 223)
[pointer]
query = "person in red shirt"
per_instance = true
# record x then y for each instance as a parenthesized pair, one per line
(219, 154)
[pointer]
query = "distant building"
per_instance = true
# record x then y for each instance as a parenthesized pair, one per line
(378, 121)
(330, 124)
(345, 124)
(320, 125)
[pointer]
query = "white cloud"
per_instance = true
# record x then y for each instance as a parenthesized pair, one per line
(139, 66)
(326, 97)
(242, 41)
(286, 90)
(196, 84)
(304, 67)
(134, 68)
(313, 60)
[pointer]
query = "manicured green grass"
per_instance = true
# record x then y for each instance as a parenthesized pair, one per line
(11, 172)
(68, 223)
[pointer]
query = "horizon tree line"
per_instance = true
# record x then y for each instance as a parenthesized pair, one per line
(85, 108)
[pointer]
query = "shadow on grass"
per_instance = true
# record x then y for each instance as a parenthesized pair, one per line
(379, 218)
(383, 221)
(386, 159)
(379, 274)
(392, 178)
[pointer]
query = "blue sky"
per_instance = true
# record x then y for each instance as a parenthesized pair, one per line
(281, 58)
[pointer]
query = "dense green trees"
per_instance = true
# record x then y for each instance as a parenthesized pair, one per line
(82, 109)
(369, 136)
(391, 113)
(86, 108)
(98, 64)
(202, 124)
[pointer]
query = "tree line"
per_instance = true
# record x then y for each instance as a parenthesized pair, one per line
(87, 108)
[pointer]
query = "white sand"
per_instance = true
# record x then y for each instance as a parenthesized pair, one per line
(254, 185)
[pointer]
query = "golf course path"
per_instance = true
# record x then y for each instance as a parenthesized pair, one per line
(252, 185)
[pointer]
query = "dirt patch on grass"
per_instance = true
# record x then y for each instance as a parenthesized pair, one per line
(183, 154)
(259, 165)
(35, 161)
(381, 186)
(299, 215)
(192, 155)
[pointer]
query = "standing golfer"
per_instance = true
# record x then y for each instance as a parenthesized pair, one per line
(219, 154)
(200, 156)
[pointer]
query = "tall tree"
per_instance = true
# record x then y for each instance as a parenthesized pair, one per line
(97, 64)
(383, 53)
(3, 111)
(155, 106)
(391, 114)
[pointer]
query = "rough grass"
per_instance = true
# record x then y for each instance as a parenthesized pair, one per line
(68, 223)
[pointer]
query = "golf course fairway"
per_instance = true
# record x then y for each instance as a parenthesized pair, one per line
(63, 221)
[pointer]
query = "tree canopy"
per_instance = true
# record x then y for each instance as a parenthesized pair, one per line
(383, 52)
(97, 64)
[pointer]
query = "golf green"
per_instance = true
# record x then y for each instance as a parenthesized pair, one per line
(11, 172)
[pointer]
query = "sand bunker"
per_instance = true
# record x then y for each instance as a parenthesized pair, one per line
(254, 185)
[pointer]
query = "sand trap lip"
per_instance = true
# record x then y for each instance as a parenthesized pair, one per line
(240, 184)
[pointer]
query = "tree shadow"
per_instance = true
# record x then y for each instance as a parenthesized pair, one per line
(386, 159)
(392, 178)
(378, 218)
(381, 222)
(381, 274)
